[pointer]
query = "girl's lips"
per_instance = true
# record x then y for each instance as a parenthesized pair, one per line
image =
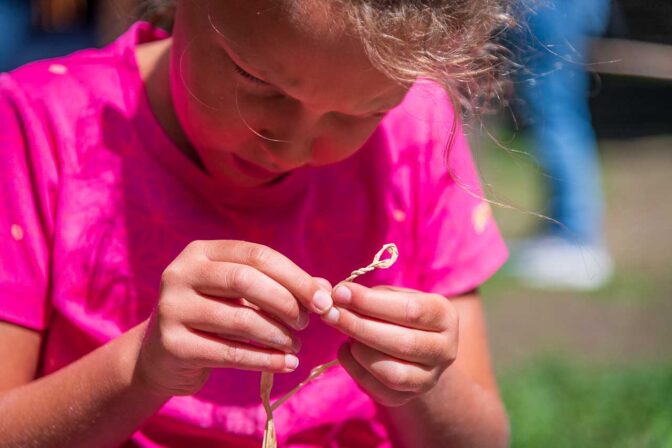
(254, 170)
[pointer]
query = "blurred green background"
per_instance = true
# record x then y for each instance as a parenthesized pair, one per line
(586, 369)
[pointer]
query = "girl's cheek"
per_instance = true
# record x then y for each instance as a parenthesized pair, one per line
(338, 147)
(352, 137)
(338, 140)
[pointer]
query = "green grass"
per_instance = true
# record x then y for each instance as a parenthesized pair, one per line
(561, 404)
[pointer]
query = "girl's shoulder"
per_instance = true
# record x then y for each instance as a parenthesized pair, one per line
(79, 81)
(56, 87)
(424, 129)
(425, 113)
(424, 134)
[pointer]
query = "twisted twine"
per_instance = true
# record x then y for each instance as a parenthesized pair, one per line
(270, 438)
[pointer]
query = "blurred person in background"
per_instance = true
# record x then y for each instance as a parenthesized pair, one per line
(38, 29)
(15, 24)
(569, 254)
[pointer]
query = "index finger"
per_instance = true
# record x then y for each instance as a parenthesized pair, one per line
(406, 307)
(308, 290)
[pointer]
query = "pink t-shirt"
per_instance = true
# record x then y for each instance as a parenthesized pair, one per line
(98, 201)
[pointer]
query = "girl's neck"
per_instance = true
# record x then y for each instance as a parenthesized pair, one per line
(153, 61)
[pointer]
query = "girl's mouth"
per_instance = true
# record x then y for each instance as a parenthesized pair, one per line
(253, 170)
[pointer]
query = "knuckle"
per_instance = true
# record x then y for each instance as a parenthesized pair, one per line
(415, 310)
(196, 246)
(239, 278)
(234, 354)
(172, 275)
(258, 254)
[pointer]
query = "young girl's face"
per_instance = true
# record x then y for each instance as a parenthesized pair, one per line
(261, 87)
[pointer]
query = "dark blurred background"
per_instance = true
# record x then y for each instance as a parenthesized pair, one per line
(37, 29)
(639, 40)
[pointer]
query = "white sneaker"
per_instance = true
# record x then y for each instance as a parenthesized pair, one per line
(551, 262)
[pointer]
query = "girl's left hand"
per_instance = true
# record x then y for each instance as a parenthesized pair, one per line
(402, 339)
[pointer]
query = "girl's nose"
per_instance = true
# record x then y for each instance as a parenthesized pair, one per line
(291, 155)
(290, 141)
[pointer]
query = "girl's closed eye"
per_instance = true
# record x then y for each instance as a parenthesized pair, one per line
(249, 77)
(268, 90)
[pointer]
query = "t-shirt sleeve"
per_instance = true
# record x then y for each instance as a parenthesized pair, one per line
(460, 244)
(28, 179)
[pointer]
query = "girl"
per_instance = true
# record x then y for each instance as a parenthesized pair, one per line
(177, 209)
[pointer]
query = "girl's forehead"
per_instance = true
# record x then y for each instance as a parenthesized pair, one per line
(312, 21)
(304, 49)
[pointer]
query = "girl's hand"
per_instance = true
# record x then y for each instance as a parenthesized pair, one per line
(403, 340)
(226, 304)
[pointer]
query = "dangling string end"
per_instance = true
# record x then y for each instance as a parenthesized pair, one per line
(270, 439)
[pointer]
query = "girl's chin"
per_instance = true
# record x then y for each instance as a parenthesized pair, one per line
(248, 174)
(253, 170)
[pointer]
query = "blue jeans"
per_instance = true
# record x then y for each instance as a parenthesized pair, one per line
(15, 31)
(555, 89)
(20, 43)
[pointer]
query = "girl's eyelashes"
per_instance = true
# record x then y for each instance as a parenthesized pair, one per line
(254, 80)
(251, 78)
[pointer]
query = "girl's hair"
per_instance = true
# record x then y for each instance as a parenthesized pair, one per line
(158, 12)
(452, 42)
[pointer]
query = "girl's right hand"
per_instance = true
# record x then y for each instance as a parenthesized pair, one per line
(227, 304)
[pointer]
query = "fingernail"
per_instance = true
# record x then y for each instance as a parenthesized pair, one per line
(302, 321)
(342, 294)
(332, 316)
(291, 362)
(322, 300)
(296, 345)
